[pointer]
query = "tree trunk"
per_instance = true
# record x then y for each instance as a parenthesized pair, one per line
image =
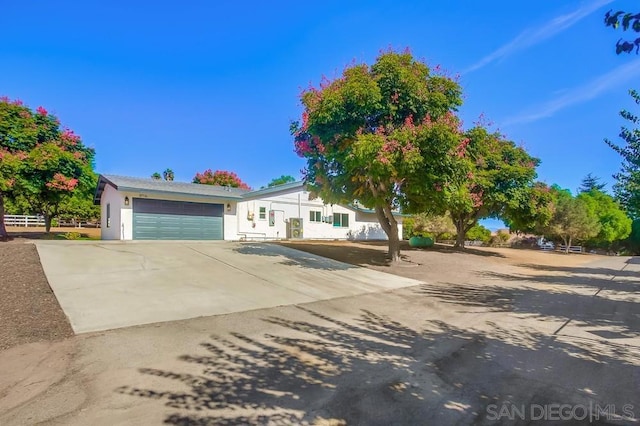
(47, 223)
(568, 246)
(4, 235)
(389, 225)
(461, 231)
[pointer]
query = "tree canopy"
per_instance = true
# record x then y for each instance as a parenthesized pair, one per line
(281, 180)
(381, 135)
(495, 179)
(571, 219)
(627, 186)
(591, 183)
(221, 178)
(614, 224)
(42, 163)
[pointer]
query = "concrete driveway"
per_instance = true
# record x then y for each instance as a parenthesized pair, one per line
(106, 285)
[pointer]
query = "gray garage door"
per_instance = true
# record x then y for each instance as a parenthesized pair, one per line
(176, 220)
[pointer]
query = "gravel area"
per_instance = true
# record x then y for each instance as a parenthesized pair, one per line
(29, 311)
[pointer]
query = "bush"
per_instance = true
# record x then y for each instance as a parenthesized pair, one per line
(72, 236)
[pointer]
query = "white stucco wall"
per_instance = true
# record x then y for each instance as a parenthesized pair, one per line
(111, 230)
(362, 226)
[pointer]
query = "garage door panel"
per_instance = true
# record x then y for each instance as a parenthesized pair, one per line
(172, 220)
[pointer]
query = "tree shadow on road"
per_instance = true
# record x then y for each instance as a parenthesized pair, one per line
(601, 316)
(584, 270)
(289, 257)
(372, 370)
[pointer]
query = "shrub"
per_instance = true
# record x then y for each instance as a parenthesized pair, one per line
(72, 236)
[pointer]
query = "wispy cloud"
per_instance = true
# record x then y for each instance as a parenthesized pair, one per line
(535, 35)
(594, 88)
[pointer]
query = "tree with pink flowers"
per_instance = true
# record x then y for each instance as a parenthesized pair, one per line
(495, 178)
(41, 163)
(220, 178)
(382, 135)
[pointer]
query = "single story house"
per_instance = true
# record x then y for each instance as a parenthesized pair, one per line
(148, 209)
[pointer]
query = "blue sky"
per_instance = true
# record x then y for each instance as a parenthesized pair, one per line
(200, 84)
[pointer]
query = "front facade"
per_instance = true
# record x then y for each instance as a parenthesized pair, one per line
(146, 209)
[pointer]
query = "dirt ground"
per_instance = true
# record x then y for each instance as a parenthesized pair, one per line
(29, 312)
(489, 328)
(20, 233)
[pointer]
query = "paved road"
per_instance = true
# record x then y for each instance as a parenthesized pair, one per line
(103, 285)
(485, 345)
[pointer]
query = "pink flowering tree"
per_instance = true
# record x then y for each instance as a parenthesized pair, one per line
(494, 178)
(380, 135)
(220, 178)
(41, 164)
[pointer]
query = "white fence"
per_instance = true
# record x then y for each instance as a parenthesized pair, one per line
(23, 220)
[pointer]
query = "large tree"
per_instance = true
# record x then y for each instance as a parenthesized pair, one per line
(221, 178)
(380, 135)
(497, 180)
(41, 162)
(627, 187)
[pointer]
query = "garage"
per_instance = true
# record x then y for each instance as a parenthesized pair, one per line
(155, 219)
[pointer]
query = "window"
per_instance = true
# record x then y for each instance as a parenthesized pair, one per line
(108, 215)
(341, 220)
(263, 213)
(315, 216)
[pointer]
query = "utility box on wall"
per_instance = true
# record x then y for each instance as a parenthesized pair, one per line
(272, 218)
(294, 230)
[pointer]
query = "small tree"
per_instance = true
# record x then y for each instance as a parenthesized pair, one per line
(571, 219)
(533, 213)
(614, 224)
(220, 178)
(156, 176)
(496, 179)
(168, 175)
(41, 162)
(478, 233)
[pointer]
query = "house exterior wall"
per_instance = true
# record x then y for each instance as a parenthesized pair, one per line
(111, 229)
(296, 204)
(249, 218)
(125, 213)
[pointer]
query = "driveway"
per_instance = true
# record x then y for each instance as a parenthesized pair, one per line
(106, 285)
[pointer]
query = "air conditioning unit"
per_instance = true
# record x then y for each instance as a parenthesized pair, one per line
(295, 229)
(327, 219)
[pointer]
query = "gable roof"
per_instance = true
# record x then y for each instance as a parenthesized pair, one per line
(126, 183)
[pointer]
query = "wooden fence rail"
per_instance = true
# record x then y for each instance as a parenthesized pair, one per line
(23, 220)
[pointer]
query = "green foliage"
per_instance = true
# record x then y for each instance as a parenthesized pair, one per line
(632, 243)
(494, 178)
(591, 183)
(627, 187)
(72, 235)
(613, 222)
(572, 219)
(381, 135)
(42, 163)
(533, 213)
(478, 233)
(168, 175)
(281, 180)
(432, 225)
(156, 176)
(628, 21)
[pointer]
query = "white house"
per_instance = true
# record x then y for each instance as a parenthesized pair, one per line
(147, 209)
